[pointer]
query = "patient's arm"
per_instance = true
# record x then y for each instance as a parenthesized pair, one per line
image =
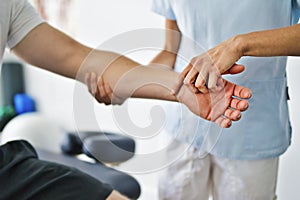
(149, 82)
(52, 50)
(166, 60)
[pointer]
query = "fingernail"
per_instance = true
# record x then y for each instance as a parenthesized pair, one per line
(247, 94)
(228, 123)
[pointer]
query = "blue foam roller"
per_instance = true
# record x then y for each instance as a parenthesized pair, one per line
(24, 103)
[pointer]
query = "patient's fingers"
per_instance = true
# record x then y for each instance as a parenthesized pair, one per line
(233, 115)
(238, 104)
(223, 122)
(242, 92)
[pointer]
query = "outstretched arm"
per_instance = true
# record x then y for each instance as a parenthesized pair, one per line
(52, 50)
(205, 69)
(165, 59)
(159, 81)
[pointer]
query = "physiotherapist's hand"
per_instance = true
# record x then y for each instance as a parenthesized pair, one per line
(101, 91)
(203, 71)
(221, 106)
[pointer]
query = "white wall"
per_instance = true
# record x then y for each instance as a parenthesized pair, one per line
(289, 173)
(98, 21)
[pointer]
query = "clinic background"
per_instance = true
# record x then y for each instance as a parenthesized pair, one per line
(92, 22)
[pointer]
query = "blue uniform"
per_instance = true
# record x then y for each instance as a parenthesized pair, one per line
(264, 130)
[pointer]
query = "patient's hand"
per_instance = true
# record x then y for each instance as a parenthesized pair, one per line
(219, 107)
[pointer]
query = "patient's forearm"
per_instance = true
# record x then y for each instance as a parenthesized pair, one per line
(130, 79)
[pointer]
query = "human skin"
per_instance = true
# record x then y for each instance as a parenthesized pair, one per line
(210, 107)
(204, 70)
(69, 58)
(167, 58)
(52, 50)
(158, 82)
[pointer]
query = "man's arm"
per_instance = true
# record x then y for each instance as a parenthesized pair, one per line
(161, 76)
(166, 59)
(52, 50)
(210, 65)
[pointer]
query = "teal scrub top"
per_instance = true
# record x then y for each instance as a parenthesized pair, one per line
(264, 130)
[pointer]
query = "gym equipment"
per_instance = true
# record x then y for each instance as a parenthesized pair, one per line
(65, 146)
